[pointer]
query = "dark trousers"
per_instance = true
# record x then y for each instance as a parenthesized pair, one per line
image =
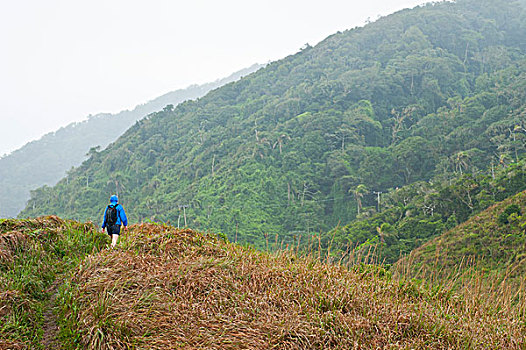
(114, 230)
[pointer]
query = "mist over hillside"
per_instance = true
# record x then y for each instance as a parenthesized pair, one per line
(308, 142)
(45, 161)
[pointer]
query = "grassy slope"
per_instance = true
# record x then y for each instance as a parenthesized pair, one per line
(33, 255)
(408, 224)
(168, 288)
(495, 248)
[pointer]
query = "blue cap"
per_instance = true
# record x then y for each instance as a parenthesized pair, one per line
(114, 199)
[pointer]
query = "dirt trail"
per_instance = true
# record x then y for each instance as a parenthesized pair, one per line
(50, 326)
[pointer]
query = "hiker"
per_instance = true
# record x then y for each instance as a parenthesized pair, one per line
(114, 216)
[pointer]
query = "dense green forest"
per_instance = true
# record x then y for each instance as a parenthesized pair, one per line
(411, 215)
(47, 160)
(492, 243)
(301, 146)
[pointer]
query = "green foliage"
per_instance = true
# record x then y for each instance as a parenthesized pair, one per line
(484, 245)
(414, 214)
(512, 209)
(298, 147)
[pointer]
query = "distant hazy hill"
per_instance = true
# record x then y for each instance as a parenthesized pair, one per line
(299, 146)
(494, 240)
(45, 161)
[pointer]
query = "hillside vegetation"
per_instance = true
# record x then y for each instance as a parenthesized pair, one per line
(47, 160)
(300, 145)
(165, 288)
(492, 243)
(415, 213)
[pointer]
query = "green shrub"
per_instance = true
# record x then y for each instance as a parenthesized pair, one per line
(510, 209)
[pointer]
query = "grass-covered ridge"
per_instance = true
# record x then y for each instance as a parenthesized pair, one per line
(34, 256)
(166, 288)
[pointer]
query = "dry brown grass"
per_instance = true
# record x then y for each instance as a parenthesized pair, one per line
(482, 261)
(7, 299)
(485, 292)
(14, 234)
(11, 345)
(180, 289)
(9, 243)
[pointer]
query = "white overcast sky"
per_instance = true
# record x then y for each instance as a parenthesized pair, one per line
(61, 60)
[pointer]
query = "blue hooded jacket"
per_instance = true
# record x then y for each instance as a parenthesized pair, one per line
(121, 215)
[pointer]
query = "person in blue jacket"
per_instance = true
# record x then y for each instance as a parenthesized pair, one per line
(114, 217)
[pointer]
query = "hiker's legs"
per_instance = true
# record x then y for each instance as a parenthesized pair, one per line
(114, 232)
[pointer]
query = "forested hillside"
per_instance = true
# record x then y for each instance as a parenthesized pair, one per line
(411, 215)
(493, 242)
(46, 161)
(300, 146)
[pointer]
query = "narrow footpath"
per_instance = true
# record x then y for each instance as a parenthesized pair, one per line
(50, 325)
